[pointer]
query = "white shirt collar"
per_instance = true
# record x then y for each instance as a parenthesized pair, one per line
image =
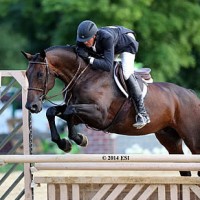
(94, 47)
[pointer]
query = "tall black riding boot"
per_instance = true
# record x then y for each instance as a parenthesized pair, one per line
(142, 118)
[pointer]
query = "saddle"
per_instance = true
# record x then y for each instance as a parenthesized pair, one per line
(142, 75)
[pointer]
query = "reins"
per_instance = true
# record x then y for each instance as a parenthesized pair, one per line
(68, 88)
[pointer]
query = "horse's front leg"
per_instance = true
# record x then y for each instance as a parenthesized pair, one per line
(63, 144)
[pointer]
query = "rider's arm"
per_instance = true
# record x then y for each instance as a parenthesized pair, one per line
(105, 63)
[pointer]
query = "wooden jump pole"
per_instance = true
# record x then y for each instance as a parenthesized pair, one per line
(99, 158)
(119, 166)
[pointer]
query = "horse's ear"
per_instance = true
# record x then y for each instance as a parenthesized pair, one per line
(43, 54)
(28, 56)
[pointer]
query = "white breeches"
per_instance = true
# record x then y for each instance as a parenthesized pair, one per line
(128, 60)
(127, 64)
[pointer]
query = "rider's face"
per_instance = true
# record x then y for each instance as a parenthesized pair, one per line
(90, 42)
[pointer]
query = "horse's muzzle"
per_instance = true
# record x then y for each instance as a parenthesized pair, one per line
(34, 107)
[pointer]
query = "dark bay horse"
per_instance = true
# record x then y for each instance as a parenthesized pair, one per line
(93, 98)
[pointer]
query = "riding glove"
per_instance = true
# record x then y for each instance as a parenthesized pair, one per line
(83, 54)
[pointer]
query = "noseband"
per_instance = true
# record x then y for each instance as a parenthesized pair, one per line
(44, 91)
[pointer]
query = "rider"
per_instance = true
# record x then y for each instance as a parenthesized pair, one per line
(106, 43)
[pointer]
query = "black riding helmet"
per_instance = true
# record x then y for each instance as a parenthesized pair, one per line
(86, 30)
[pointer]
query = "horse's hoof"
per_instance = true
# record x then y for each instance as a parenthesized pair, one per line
(84, 142)
(67, 147)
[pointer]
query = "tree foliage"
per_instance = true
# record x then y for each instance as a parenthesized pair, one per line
(168, 31)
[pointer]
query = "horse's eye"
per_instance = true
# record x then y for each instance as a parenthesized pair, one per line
(40, 74)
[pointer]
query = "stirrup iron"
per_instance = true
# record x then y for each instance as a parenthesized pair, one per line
(145, 121)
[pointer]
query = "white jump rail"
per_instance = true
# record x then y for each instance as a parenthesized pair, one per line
(99, 158)
(119, 166)
(115, 186)
(72, 187)
(107, 162)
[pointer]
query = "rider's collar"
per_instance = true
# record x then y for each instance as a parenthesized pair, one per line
(94, 46)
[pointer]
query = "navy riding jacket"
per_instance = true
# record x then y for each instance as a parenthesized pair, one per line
(110, 41)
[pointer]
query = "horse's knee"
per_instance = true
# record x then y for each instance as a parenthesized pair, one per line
(51, 113)
(70, 110)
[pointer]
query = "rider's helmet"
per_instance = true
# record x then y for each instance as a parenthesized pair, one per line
(86, 30)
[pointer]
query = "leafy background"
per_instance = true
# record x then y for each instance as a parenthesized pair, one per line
(168, 31)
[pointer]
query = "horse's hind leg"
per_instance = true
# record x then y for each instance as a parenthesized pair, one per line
(192, 141)
(170, 139)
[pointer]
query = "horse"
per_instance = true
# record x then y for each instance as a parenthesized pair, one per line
(92, 98)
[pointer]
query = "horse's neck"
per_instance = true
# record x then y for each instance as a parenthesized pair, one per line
(70, 68)
(65, 65)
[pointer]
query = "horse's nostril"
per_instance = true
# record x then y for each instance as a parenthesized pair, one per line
(34, 107)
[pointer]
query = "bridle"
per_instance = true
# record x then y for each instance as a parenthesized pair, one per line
(44, 91)
(66, 89)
